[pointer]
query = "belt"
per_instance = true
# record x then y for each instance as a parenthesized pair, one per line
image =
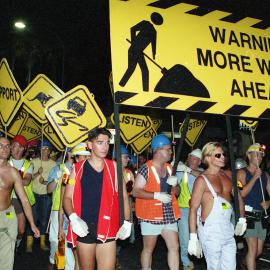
(255, 214)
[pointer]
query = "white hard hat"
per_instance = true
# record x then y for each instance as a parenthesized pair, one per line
(196, 153)
(80, 150)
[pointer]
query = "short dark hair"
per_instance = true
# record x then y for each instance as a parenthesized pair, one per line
(94, 133)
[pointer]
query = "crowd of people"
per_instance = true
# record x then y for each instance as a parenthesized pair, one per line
(74, 200)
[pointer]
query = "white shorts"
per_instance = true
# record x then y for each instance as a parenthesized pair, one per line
(156, 229)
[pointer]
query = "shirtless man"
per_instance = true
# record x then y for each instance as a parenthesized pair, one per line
(9, 179)
(212, 193)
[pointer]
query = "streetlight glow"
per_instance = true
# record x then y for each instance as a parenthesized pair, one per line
(19, 25)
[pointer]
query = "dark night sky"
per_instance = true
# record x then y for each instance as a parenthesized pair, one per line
(83, 25)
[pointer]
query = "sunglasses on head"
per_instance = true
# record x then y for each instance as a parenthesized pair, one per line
(218, 155)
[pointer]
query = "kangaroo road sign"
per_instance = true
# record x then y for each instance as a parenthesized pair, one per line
(174, 55)
(38, 94)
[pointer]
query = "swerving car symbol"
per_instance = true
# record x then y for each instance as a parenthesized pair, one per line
(77, 105)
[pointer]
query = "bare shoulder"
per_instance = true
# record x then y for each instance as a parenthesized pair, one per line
(200, 182)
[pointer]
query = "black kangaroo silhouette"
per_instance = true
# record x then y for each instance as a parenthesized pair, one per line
(42, 98)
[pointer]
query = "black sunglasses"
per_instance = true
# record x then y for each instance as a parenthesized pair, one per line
(218, 155)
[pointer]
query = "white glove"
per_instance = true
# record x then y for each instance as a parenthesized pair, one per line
(78, 226)
(124, 231)
(194, 246)
(164, 197)
(241, 226)
(172, 180)
(183, 168)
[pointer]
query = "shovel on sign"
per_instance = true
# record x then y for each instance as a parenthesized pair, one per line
(178, 80)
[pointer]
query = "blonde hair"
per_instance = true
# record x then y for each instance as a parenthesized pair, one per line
(208, 150)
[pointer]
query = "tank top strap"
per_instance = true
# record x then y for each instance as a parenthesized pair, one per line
(209, 186)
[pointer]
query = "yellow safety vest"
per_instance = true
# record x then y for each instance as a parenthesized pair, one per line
(56, 196)
(28, 189)
(184, 196)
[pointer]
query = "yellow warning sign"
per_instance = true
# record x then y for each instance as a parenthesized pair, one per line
(10, 94)
(132, 126)
(53, 137)
(195, 128)
(2, 128)
(248, 124)
(143, 141)
(31, 129)
(24, 124)
(156, 123)
(174, 55)
(38, 94)
(74, 114)
(17, 123)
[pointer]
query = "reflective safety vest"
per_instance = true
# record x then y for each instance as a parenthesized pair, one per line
(151, 209)
(108, 219)
(56, 196)
(28, 189)
(184, 196)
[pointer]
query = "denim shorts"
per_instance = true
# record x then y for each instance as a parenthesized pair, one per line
(156, 229)
(258, 231)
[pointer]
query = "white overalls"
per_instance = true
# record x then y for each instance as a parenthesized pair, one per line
(216, 234)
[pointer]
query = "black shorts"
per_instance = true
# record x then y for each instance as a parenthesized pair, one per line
(91, 237)
(88, 239)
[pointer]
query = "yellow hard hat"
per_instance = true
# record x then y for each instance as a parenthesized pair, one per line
(256, 147)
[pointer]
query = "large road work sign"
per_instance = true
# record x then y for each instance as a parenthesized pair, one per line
(174, 55)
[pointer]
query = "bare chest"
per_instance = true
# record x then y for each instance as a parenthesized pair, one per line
(6, 182)
(221, 185)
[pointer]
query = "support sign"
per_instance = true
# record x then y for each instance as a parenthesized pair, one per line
(173, 55)
(10, 94)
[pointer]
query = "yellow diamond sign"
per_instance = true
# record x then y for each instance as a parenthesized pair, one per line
(24, 124)
(53, 137)
(10, 94)
(31, 130)
(195, 128)
(132, 126)
(74, 114)
(38, 94)
(143, 141)
(17, 123)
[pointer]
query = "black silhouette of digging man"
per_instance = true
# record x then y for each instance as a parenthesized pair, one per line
(142, 35)
(176, 80)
